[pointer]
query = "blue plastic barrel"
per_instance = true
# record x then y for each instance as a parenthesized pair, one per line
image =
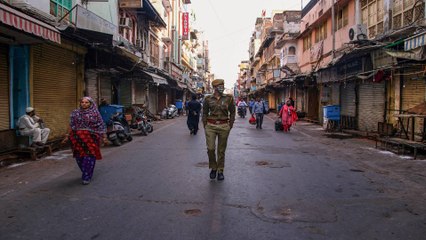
(178, 104)
(108, 110)
(332, 112)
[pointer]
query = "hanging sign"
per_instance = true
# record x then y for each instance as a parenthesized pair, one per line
(185, 26)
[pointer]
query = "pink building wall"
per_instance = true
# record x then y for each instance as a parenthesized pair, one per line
(307, 59)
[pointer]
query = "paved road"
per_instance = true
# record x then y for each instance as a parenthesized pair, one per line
(300, 185)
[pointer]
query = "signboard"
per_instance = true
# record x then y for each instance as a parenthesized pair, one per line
(131, 3)
(88, 20)
(185, 26)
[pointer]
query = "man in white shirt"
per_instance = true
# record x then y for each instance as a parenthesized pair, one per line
(31, 125)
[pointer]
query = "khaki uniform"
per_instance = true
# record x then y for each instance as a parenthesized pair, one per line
(218, 119)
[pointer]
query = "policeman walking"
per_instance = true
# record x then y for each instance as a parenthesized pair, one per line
(218, 119)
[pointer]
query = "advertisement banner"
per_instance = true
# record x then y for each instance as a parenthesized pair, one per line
(185, 26)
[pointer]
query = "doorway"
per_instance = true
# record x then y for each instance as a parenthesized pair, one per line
(19, 57)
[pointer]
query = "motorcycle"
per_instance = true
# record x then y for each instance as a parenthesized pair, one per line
(140, 121)
(118, 130)
(242, 111)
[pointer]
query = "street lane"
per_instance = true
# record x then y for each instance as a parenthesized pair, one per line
(299, 185)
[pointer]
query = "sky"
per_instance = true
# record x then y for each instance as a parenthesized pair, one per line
(228, 25)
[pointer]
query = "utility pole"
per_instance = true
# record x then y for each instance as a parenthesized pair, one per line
(333, 30)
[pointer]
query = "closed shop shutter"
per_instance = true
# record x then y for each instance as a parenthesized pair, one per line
(413, 93)
(335, 94)
(140, 91)
(371, 105)
(348, 106)
(313, 103)
(153, 100)
(54, 86)
(162, 98)
(299, 99)
(4, 88)
(92, 84)
(106, 87)
(126, 92)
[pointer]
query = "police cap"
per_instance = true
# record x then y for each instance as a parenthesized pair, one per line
(217, 82)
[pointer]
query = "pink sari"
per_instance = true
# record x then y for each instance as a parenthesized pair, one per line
(288, 117)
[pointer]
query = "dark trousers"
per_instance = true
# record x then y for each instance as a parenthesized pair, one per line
(259, 120)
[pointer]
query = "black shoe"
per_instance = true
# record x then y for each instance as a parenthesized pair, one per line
(220, 176)
(213, 174)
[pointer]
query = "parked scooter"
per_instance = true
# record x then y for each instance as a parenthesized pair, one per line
(118, 130)
(140, 121)
(242, 111)
(169, 112)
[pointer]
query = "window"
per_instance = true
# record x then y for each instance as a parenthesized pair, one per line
(291, 51)
(307, 42)
(60, 8)
(342, 18)
(321, 32)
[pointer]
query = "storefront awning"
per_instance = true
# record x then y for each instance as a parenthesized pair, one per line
(28, 24)
(156, 78)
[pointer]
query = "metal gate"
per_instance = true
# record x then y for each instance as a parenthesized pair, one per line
(4, 88)
(371, 105)
(54, 86)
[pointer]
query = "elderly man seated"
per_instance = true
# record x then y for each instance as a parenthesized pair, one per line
(32, 125)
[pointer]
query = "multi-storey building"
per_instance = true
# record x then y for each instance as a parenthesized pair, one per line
(124, 51)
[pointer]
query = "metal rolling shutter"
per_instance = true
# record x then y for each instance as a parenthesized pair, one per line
(106, 88)
(413, 93)
(299, 99)
(153, 99)
(313, 103)
(4, 88)
(347, 98)
(371, 105)
(54, 86)
(335, 94)
(92, 84)
(126, 92)
(140, 91)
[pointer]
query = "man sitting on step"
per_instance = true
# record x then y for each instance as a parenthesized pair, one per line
(32, 125)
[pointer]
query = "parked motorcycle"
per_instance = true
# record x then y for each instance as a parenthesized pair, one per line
(242, 111)
(140, 121)
(118, 130)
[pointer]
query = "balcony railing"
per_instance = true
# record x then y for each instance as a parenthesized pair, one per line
(289, 59)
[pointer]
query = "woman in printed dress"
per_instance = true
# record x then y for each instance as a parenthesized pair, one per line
(86, 132)
(288, 116)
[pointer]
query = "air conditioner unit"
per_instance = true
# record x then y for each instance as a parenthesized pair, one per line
(27, 7)
(125, 22)
(358, 32)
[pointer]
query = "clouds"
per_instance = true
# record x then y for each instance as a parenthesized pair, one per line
(227, 25)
